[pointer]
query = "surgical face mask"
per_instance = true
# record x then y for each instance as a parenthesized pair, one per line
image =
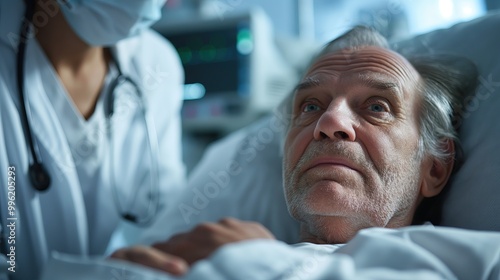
(105, 22)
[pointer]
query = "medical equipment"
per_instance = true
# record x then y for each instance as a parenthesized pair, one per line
(38, 175)
(234, 72)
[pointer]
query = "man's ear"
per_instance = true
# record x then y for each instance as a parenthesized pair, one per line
(436, 172)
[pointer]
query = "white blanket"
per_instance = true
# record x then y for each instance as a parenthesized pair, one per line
(418, 252)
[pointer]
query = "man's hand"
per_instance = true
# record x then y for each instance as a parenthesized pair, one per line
(153, 258)
(175, 255)
(205, 238)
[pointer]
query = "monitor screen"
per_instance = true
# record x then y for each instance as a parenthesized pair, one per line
(216, 60)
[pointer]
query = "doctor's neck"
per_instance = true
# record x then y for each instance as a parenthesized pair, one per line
(81, 68)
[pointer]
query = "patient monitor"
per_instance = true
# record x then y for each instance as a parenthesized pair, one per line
(234, 72)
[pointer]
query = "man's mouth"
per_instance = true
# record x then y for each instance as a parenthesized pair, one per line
(330, 161)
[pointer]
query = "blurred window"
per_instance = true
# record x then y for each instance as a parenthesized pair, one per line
(395, 19)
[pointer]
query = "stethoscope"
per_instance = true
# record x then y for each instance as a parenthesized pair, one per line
(38, 174)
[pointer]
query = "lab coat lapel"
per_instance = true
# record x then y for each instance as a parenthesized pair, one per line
(31, 239)
(11, 14)
(63, 202)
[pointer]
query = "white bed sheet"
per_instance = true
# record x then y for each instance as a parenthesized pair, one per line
(418, 252)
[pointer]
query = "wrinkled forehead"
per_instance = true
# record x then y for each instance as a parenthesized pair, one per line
(368, 60)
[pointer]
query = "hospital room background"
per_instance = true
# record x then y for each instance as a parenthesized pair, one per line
(241, 59)
(242, 56)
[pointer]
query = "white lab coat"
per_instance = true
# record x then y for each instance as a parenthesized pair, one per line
(78, 215)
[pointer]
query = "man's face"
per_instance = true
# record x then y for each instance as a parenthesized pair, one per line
(351, 157)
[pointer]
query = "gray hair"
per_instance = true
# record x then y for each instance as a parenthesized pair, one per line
(445, 80)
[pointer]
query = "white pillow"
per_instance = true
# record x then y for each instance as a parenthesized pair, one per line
(238, 176)
(473, 200)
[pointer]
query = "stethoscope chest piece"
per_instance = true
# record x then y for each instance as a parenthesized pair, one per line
(39, 176)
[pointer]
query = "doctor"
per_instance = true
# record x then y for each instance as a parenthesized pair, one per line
(90, 126)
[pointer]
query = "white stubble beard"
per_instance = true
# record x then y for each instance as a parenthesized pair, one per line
(391, 195)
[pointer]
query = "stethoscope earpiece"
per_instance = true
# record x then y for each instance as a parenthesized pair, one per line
(39, 177)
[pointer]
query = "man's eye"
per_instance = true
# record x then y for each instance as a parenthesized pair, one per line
(377, 108)
(310, 108)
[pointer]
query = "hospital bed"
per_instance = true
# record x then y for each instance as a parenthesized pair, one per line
(240, 175)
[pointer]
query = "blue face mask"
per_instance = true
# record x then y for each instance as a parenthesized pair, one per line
(105, 22)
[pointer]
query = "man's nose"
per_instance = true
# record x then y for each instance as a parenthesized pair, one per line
(336, 123)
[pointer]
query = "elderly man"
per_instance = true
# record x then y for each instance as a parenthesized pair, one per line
(370, 136)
